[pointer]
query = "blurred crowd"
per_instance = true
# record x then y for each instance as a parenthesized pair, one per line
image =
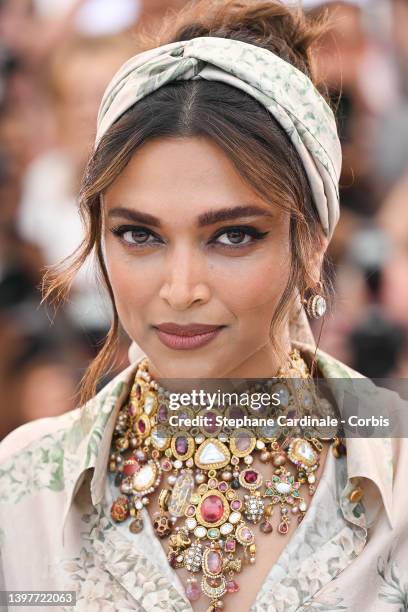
(56, 59)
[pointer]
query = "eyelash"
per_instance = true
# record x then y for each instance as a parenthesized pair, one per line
(121, 230)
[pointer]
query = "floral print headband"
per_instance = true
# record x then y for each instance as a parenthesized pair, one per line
(287, 93)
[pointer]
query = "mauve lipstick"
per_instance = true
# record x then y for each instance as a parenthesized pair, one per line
(190, 336)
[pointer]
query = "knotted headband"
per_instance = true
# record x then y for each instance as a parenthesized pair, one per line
(286, 92)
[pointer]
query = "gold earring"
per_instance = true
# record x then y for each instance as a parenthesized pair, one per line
(316, 304)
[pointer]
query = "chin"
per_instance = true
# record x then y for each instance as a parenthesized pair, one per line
(187, 366)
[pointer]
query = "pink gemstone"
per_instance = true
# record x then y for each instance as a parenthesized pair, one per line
(236, 412)
(290, 499)
(131, 410)
(242, 443)
(296, 485)
(166, 465)
(212, 483)
(223, 487)
(236, 504)
(283, 527)
(232, 586)
(190, 511)
(211, 423)
(214, 562)
(193, 591)
(250, 476)
(142, 426)
(246, 535)
(162, 413)
(212, 509)
(181, 445)
(230, 545)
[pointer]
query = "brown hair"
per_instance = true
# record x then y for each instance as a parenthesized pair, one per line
(242, 127)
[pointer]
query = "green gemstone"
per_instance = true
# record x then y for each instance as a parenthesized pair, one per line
(295, 493)
(357, 511)
(275, 478)
(213, 533)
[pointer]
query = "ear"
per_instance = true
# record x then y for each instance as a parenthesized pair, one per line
(317, 257)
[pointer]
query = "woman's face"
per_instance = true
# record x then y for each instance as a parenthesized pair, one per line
(187, 241)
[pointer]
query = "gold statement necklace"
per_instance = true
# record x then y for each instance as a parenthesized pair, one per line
(211, 495)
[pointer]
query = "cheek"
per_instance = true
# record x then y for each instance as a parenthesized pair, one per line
(253, 282)
(131, 287)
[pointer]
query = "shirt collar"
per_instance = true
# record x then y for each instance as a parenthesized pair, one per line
(88, 440)
(368, 459)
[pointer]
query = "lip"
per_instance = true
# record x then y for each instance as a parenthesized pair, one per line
(185, 337)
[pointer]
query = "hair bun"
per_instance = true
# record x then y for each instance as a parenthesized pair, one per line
(284, 30)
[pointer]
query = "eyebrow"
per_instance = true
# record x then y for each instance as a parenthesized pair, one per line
(207, 218)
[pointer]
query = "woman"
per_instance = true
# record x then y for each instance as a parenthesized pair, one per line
(210, 199)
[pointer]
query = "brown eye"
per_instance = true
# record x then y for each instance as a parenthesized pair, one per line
(138, 236)
(235, 236)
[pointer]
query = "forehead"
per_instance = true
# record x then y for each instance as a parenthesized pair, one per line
(180, 178)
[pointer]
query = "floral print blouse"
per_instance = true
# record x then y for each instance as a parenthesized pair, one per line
(56, 532)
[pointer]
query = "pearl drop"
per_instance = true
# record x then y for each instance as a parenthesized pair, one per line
(279, 460)
(265, 456)
(226, 475)
(171, 479)
(199, 478)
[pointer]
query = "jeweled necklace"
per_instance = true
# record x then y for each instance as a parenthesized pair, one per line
(208, 522)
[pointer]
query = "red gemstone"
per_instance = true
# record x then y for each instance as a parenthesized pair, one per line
(131, 468)
(142, 426)
(212, 509)
(173, 559)
(250, 476)
(138, 391)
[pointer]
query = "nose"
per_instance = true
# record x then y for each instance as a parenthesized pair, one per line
(185, 281)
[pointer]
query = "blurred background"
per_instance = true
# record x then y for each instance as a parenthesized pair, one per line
(56, 59)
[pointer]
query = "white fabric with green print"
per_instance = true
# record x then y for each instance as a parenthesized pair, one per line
(286, 92)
